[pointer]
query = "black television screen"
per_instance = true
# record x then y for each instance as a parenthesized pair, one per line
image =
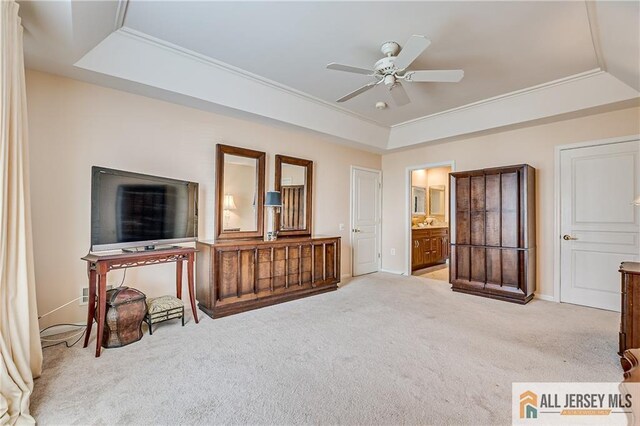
(136, 210)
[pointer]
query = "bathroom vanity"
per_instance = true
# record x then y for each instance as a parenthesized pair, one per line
(430, 246)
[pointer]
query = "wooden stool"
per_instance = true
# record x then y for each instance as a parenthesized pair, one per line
(164, 308)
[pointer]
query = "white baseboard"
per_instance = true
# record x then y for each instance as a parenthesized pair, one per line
(388, 271)
(544, 297)
(61, 329)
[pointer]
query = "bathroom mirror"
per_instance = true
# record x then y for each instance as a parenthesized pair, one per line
(436, 200)
(294, 181)
(239, 192)
(418, 199)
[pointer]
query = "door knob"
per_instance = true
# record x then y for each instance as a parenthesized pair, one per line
(356, 230)
(568, 237)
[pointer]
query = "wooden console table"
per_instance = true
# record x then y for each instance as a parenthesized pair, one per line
(99, 265)
(238, 276)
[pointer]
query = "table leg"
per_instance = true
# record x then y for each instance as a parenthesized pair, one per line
(102, 308)
(192, 298)
(179, 279)
(91, 306)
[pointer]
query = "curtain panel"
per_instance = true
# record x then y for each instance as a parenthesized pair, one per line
(20, 349)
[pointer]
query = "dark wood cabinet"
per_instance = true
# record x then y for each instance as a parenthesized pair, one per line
(493, 250)
(238, 276)
(430, 246)
(629, 336)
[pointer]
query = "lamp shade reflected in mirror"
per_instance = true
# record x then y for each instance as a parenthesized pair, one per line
(239, 192)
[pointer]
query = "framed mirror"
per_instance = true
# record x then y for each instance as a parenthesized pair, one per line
(418, 200)
(239, 192)
(436, 200)
(294, 181)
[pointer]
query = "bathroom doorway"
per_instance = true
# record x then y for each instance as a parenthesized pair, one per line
(429, 221)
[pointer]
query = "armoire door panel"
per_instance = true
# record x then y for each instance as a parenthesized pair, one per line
(494, 266)
(462, 263)
(478, 264)
(493, 228)
(463, 228)
(509, 229)
(493, 192)
(510, 191)
(511, 268)
(477, 228)
(462, 193)
(477, 193)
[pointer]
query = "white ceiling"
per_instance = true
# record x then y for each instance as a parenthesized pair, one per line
(523, 61)
(502, 46)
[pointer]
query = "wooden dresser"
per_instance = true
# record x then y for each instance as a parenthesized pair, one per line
(430, 246)
(493, 241)
(629, 336)
(238, 276)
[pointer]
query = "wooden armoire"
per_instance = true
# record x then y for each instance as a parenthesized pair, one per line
(493, 234)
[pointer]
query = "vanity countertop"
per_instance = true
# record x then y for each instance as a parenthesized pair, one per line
(430, 227)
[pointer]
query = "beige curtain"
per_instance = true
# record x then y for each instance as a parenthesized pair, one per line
(20, 350)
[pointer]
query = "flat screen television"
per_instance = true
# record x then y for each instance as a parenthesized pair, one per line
(135, 210)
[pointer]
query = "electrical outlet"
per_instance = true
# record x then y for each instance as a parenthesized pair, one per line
(85, 294)
(393, 252)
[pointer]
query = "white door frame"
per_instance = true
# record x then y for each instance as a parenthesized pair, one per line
(556, 203)
(351, 219)
(407, 205)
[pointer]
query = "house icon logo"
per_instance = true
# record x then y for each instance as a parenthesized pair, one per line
(528, 405)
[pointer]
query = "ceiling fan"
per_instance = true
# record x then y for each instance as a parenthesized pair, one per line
(392, 69)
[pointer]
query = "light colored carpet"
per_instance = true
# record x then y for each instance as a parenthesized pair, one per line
(438, 272)
(383, 349)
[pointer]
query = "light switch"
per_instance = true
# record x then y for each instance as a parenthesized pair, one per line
(341, 227)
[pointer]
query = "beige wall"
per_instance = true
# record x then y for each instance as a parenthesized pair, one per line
(75, 125)
(533, 145)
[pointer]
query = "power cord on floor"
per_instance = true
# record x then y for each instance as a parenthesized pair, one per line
(84, 327)
(65, 342)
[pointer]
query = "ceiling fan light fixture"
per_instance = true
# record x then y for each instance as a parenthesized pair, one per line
(389, 80)
(393, 68)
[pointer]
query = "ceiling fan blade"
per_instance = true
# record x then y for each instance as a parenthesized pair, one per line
(411, 50)
(348, 68)
(440, 76)
(399, 95)
(357, 92)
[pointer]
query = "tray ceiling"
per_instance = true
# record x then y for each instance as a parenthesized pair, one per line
(502, 46)
(523, 61)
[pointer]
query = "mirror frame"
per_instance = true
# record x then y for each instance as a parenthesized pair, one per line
(424, 208)
(439, 188)
(283, 159)
(260, 156)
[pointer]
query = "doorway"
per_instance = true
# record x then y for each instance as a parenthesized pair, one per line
(366, 185)
(428, 224)
(599, 222)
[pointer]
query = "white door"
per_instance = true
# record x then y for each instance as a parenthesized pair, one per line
(599, 224)
(365, 221)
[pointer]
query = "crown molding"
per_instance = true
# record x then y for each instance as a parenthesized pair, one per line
(505, 96)
(582, 91)
(121, 14)
(130, 32)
